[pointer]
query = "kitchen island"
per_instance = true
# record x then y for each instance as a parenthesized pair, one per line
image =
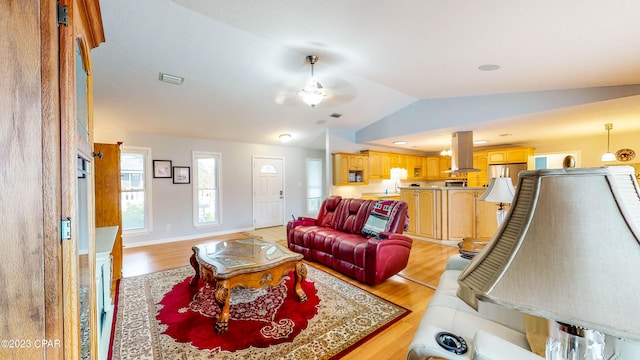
(449, 213)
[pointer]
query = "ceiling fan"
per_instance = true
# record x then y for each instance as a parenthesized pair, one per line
(324, 89)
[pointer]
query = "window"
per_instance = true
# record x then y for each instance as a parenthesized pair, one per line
(206, 195)
(135, 189)
(553, 161)
(314, 185)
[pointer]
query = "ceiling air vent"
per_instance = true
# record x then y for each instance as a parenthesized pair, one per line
(171, 79)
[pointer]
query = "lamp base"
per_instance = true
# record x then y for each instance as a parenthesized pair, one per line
(501, 214)
(570, 342)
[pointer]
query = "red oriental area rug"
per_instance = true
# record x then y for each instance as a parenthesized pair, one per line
(259, 318)
(158, 316)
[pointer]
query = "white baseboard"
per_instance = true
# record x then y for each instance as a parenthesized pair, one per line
(181, 238)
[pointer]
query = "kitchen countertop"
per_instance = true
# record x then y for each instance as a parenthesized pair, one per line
(442, 188)
(380, 194)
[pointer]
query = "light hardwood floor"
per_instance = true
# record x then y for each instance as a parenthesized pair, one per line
(426, 263)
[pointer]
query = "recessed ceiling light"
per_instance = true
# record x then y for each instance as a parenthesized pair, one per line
(479, 142)
(488, 67)
(284, 138)
(336, 115)
(171, 79)
(399, 142)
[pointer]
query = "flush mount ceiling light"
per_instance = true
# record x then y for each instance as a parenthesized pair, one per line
(312, 93)
(171, 79)
(608, 156)
(284, 138)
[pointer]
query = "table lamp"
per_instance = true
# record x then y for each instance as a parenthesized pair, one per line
(500, 190)
(569, 251)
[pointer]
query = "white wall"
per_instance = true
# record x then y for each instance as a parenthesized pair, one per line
(592, 147)
(172, 203)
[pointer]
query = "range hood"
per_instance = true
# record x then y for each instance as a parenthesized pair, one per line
(462, 152)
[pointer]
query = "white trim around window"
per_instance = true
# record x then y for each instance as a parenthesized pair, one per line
(207, 197)
(144, 187)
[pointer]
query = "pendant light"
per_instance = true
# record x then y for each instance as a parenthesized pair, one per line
(312, 93)
(608, 156)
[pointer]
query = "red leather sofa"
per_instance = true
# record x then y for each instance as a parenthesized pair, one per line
(342, 238)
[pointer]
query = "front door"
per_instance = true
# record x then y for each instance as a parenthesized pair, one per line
(268, 192)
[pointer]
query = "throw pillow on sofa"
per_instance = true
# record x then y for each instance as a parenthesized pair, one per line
(378, 219)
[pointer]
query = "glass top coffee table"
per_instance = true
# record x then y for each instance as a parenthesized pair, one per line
(251, 263)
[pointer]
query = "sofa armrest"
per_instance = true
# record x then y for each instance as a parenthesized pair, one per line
(487, 346)
(386, 257)
(301, 221)
(389, 240)
(385, 235)
(456, 262)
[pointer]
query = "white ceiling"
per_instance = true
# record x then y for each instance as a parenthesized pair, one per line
(243, 62)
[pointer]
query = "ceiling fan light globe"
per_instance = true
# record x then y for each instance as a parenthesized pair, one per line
(312, 93)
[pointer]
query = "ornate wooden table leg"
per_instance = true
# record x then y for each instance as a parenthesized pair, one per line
(196, 267)
(301, 274)
(222, 295)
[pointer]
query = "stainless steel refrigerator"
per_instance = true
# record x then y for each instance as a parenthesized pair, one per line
(506, 170)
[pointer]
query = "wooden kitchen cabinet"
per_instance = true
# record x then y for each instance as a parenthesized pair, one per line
(379, 164)
(436, 167)
(398, 160)
(480, 178)
(459, 212)
(423, 211)
(409, 196)
(464, 215)
(350, 169)
(445, 164)
(510, 156)
(433, 167)
(416, 167)
(444, 214)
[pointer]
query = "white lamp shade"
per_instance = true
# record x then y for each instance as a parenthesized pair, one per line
(500, 190)
(608, 156)
(569, 251)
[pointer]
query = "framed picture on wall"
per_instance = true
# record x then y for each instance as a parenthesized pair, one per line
(162, 168)
(181, 175)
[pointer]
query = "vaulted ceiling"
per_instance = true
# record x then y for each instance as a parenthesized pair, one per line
(393, 63)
